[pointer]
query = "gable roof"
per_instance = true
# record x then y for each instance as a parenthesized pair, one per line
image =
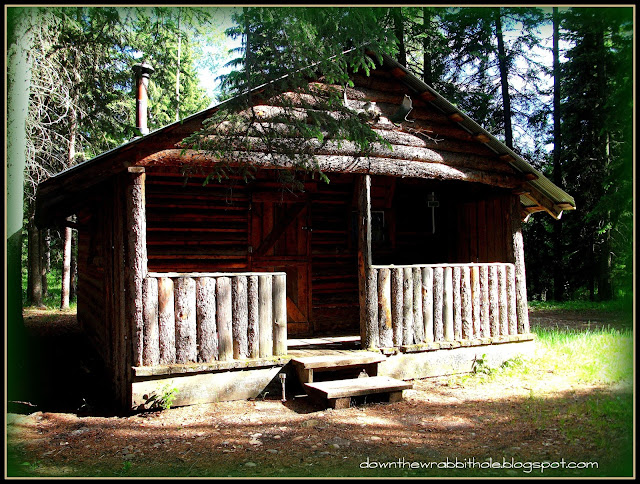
(544, 194)
(58, 196)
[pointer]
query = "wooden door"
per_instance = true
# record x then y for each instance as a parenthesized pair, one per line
(280, 241)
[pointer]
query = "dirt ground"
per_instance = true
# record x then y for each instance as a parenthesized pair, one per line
(64, 425)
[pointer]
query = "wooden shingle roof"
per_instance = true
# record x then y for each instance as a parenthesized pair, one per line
(60, 195)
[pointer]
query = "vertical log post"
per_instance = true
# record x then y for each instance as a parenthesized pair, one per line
(397, 275)
(265, 316)
(253, 324)
(407, 306)
(518, 256)
(475, 300)
(224, 317)
(151, 343)
(136, 261)
(447, 311)
(385, 326)
(240, 317)
(367, 287)
(427, 303)
(185, 312)
(438, 302)
(207, 334)
(418, 315)
(467, 311)
(166, 321)
(371, 304)
(502, 300)
(494, 317)
(457, 304)
(511, 299)
(484, 302)
(279, 314)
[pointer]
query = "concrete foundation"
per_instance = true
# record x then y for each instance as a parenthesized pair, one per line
(410, 366)
(195, 385)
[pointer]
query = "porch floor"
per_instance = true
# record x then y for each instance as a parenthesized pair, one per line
(324, 345)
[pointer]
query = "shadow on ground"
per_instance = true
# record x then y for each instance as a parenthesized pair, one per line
(54, 369)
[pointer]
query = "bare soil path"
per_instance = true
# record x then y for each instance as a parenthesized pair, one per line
(64, 425)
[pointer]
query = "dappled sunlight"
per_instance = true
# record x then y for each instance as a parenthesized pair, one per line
(535, 408)
(220, 439)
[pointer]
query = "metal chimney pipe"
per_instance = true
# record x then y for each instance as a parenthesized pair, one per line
(142, 72)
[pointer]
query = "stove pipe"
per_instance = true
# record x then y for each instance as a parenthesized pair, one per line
(142, 72)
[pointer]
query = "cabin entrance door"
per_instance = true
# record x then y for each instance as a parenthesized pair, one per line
(280, 241)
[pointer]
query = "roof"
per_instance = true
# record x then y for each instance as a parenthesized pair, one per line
(554, 201)
(55, 194)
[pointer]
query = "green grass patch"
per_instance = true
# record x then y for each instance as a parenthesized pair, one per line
(580, 305)
(593, 416)
(54, 291)
(603, 355)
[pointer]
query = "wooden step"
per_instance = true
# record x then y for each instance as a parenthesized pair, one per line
(338, 393)
(353, 358)
(306, 366)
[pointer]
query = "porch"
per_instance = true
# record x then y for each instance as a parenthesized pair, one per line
(201, 318)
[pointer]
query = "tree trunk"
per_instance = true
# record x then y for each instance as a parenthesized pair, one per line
(35, 264)
(178, 69)
(427, 51)
(504, 80)
(66, 269)
(398, 27)
(19, 43)
(605, 287)
(73, 276)
(44, 266)
(558, 269)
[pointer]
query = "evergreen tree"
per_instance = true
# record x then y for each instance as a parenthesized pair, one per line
(283, 50)
(493, 70)
(163, 37)
(596, 130)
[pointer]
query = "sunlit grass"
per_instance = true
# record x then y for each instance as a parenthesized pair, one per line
(580, 305)
(603, 355)
(54, 291)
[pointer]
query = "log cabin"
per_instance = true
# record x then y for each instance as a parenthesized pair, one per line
(413, 254)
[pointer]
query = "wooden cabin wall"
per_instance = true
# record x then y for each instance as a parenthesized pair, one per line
(472, 222)
(92, 270)
(218, 227)
(196, 228)
(101, 244)
(484, 228)
(334, 268)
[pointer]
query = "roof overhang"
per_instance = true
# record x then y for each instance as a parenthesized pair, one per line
(59, 195)
(540, 193)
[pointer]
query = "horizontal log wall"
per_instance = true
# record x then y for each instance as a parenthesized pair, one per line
(421, 304)
(205, 317)
(195, 227)
(334, 268)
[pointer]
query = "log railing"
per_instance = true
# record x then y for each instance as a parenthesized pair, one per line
(444, 305)
(208, 317)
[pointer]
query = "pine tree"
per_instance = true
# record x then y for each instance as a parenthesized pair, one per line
(283, 50)
(163, 36)
(597, 94)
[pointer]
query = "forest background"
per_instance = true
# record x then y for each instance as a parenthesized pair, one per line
(555, 84)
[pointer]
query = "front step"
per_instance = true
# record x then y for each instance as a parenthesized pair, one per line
(307, 365)
(338, 393)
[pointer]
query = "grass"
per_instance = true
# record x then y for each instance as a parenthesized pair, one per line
(581, 305)
(594, 356)
(589, 414)
(602, 355)
(596, 420)
(54, 291)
